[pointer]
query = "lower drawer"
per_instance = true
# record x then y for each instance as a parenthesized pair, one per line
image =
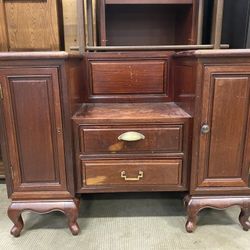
(132, 172)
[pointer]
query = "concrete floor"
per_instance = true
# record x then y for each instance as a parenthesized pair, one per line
(126, 221)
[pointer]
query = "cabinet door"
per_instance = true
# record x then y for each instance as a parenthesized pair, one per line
(224, 150)
(33, 125)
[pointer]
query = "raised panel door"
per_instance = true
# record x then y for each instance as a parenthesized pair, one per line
(33, 122)
(224, 145)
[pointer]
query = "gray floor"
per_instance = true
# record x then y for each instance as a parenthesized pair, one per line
(126, 221)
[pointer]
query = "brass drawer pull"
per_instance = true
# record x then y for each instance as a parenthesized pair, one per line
(131, 136)
(140, 176)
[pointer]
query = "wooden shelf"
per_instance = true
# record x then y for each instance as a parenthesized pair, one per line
(98, 113)
(149, 2)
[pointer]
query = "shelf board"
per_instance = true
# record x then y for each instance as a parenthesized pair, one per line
(149, 2)
(103, 113)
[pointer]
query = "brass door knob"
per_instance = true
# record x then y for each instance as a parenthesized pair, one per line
(205, 129)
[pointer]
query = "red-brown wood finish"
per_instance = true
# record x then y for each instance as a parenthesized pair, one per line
(69, 207)
(220, 162)
(184, 73)
(161, 155)
(122, 77)
(136, 172)
(128, 77)
(223, 160)
(42, 91)
(197, 203)
(105, 140)
(36, 132)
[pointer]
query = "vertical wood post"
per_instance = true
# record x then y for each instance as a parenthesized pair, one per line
(200, 22)
(217, 23)
(81, 34)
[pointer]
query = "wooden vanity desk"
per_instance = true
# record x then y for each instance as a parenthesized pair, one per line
(143, 106)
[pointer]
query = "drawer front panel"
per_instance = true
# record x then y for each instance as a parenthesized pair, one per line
(132, 172)
(131, 77)
(160, 139)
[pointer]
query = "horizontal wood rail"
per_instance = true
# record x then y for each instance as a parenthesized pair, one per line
(160, 47)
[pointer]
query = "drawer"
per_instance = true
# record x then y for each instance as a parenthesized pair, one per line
(128, 77)
(132, 172)
(99, 140)
(125, 75)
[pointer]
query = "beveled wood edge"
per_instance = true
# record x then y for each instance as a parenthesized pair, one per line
(5, 56)
(149, 2)
(132, 189)
(29, 195)
(129, 55)
(214, 53)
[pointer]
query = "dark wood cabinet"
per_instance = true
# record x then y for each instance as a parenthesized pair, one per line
(117, 118)
(36, 135)
(220, 163)
(132, 147)
(34, 132)
(224, 150)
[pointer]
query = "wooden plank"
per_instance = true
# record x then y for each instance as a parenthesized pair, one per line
(200, 22)
(3, 31)
(102, 22)
(217, 23)
(160, 47)
(70, 24)
(32, 25)
(149, 2)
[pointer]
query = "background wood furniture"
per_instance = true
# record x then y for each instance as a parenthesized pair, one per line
(119, 119)
(31, 25)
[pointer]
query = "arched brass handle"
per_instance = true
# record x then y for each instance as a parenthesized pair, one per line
(131, 136)
(140, 176)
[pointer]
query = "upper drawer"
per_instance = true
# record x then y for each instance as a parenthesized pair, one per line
(133, 77)
(167, 138)
(128, 75)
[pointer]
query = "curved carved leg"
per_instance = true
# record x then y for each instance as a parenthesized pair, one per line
(186, 200)
(243, 218)
(15, 216)
(192, 211)
(197, 203)
(72, 215)
(71, 211)
(68, 207)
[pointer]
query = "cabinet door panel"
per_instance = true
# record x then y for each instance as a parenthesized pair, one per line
(225, 108)
(34, 128)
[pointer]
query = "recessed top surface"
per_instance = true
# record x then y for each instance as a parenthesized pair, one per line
(130, 112)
